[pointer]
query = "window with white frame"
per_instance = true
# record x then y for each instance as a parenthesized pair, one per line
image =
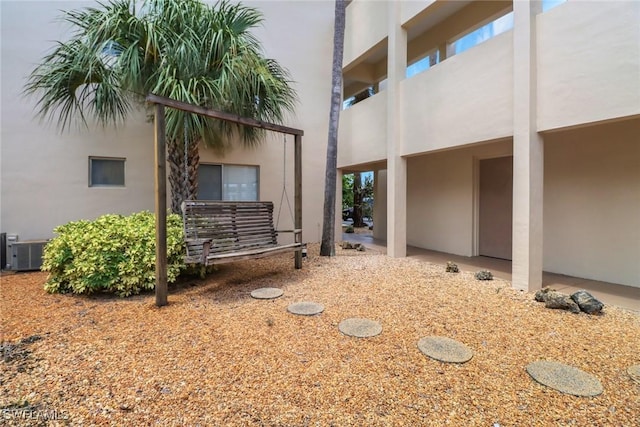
(106, 172)
(228, 182)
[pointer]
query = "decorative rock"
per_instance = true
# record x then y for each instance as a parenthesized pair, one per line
(452, 267)
(587, 302)
(561, 301)
(357, 246)
(305, 308)
(360, 328)
(484, 275)
(541, 295)
(445, 349)
(564, 378)
(267, 293)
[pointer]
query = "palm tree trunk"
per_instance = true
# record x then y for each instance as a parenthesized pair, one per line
(357, 200)
(183, 179)
(327, 247)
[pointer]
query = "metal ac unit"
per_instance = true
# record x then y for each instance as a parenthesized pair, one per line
(9, 239)
(27, 255)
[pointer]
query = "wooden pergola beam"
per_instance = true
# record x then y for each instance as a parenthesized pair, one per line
(215, 114)
(161, 176)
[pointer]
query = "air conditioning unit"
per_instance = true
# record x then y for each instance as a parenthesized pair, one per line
(3, 251)
(27, 255)
(9, 239)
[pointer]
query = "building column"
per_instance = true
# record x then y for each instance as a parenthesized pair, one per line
(380, 204)
(396, 165)
(528, 154)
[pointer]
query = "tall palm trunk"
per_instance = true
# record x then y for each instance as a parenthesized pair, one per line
(357, 200)
(327, 247)
(183, 172)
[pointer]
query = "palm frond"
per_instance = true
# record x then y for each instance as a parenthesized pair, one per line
(182, 49)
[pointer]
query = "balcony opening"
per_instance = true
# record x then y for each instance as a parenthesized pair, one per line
(366, 76)
(480, 35)
(550, 4)
(447, 28)
(423, 63)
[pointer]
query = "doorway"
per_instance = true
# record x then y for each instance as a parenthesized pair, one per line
(495, 207)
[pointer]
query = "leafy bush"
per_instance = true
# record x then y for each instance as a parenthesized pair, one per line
(114, 253)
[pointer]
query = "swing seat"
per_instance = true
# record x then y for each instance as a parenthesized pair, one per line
(220, 232)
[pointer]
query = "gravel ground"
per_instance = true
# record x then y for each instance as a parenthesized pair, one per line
(216, 356)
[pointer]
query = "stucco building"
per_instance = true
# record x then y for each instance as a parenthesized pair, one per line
(508, 129)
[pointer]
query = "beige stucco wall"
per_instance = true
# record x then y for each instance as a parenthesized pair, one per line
(412, 8)
(464, 99)
(302, 41)
(44, 173)
(440, 197)
(588, 62)
(592, 202)
(362, 132)
(366, 25)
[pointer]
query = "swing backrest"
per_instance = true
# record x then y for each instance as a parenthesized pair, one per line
(230, 227)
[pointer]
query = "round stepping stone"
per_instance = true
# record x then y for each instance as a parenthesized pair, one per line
(267, 293)
(360, 328)
(634, 372)
(564, 378)
(305, 308)
(445, 349)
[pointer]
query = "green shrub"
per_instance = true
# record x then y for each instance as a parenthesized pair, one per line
(114, 253)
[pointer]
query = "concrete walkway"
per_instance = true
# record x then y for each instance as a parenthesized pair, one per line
(626, 297)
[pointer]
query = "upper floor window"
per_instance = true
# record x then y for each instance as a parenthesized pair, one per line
(106, 172)
(482, 34)
(423, 64)
(550, 4)
(360, 96)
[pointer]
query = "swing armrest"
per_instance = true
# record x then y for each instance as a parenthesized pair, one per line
(199, 245)
(206, 248)
(297, 234)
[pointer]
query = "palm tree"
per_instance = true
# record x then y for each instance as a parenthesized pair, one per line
(327, 247)
(357, 200)
(181, 49)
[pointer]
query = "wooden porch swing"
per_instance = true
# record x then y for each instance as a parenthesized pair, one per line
(215, 231)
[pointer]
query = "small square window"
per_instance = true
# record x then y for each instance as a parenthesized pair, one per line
(106, 172)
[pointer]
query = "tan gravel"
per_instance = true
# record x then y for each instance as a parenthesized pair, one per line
(216, 356)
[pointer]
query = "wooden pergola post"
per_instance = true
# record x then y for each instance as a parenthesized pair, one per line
(161, 206)
(161, 176)
(297, 173)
